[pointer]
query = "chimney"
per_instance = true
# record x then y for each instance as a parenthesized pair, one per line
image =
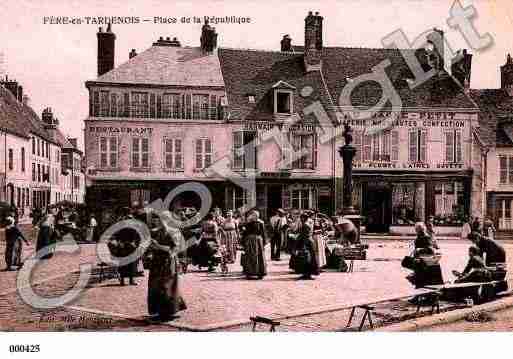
(12, 86)
(436, 53)
(313, 41)
(132, 54)
(47, 116)
(461, 68)
(106, 42)
(286, 44)
(167, 42)
(74, 142)
(20, 93)
(507, 76)
(208, 39)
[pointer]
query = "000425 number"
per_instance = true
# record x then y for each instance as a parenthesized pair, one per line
(21, 348)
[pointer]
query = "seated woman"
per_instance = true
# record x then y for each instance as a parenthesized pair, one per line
(424, 244)
(475, 271)
(426, 269)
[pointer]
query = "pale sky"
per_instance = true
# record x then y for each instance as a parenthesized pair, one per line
(52, 62)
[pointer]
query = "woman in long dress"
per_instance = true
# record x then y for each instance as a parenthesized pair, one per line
(254, 239)
(319, 245)
(305, 262)
(46, 237)
(230, 236)
(13, 244)
(164, 298)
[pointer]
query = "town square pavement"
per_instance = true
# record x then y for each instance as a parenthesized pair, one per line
(221, 302)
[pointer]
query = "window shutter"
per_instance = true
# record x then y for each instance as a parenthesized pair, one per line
(314, 151)
(375, 147)
(127, 105)
(188, 106)
(510, 170)
(286, 151)
(423, 145)
(113, 105)
(207, 152)
(458, 146)
(367, 147)
(449, 146)
(412, 157)
(178, 154)
(358, 146)
(114, 151)
(285, 197)
(238, 158)
(199, 151)
(135, 152)
(213, 107)
(385, 146)
(229, 198)
(395, 146)
(152, 105)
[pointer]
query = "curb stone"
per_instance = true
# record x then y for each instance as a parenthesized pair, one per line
(447, 317)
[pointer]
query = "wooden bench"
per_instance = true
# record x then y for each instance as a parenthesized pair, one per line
(455, 291)
(262, 320)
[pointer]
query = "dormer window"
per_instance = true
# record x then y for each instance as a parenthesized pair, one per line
(283, 102)
(283, 98)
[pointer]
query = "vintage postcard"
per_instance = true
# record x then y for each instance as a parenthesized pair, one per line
(240, 166)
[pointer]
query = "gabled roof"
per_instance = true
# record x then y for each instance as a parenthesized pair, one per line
(255, 72)
(496, 108)
(168, 65)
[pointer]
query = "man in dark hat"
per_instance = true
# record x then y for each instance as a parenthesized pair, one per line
(279, 226)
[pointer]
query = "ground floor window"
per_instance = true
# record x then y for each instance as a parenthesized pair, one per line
(299, 197)
(407, 202)
(449, 202)
(140, 196)
(504, 211)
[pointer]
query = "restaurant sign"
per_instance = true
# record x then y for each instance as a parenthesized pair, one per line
(110, 130)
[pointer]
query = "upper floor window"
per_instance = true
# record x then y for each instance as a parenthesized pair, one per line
(108, 152)
(11, 159)
(38, 147)
(506, 169)
(33, 145)
(39, 172)
(453, 151)
(173, 153)
(283, 101)
(23, 159)
(304, 151)
(95, 104)
(33, 172)
(200, 105)
(244, 149)
(104, 103)
(383, 146)
(203, 153)
(140, 152)
(417, 144)
(172, 105)
(139, 104)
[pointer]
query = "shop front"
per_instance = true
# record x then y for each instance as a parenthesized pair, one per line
(393, 203)
(106, 198)
(288, 194)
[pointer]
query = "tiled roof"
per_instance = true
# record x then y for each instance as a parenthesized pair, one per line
(168, 65)
(19, 118)
(340, 64)
(496, 106)
(12, 114)
(255, 72)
